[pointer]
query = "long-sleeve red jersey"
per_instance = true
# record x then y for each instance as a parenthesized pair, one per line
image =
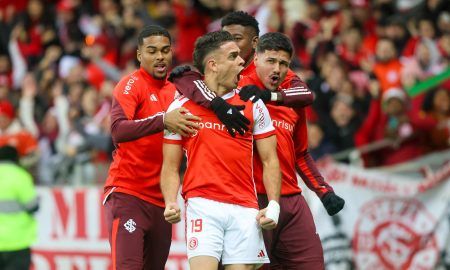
(292, 148)
(137, 125)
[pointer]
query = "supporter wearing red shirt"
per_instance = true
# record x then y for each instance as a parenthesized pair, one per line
(388, 68)
(12, 133)
(391, 123)
(191, 23)
(139, 236)
(286, 247)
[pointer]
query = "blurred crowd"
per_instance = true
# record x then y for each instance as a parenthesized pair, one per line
(60, 60)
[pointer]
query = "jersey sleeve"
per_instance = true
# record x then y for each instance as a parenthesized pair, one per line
(262, 126)
(306, 165)
(295, 92)
(169, 136)
(192, 86)
(124, 126)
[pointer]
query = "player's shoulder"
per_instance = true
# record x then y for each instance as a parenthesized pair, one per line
(290, 75)
(170, 85)
(128, 83)
(247, 80)
(178, 103)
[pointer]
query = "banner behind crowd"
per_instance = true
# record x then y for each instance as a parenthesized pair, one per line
(390, 221)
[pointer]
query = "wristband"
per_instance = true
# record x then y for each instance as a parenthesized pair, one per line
(273, 211)
(273, 96)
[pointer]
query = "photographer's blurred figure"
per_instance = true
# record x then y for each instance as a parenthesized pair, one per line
(18, 201)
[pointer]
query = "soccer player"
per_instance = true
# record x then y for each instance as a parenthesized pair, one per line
(222, 217)
(294, 244)
(134, 206)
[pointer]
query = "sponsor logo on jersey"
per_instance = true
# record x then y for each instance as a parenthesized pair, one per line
(283, 124)
(261, 254)
(153, 97)
(127, 88)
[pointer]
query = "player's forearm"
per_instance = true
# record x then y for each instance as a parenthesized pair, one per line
(297, 95)
(125, 130)
(192, 86)
(307, 169)
(170, 183)
(272, 178)
(129, 130)
(170, 177)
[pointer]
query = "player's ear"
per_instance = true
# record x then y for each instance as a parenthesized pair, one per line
(255, 40)
(138, 55)
(212, 64)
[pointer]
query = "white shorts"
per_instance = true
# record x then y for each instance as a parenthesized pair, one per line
(225, 231)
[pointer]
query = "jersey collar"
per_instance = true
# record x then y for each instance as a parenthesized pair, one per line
(149, 78)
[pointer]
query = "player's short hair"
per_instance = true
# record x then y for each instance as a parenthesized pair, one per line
(153, 30)
(207, 44)
(241, 18)
(275, 41)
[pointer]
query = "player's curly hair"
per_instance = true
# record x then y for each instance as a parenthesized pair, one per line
(153, 30)
(275, 41)
(206, 44)
(241, 18)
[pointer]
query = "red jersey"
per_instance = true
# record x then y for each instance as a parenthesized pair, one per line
(138, 106)
(292, 148)
(220, 166)
(251, 68)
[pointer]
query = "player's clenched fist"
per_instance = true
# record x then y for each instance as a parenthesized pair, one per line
(172, 213)
(268, 217)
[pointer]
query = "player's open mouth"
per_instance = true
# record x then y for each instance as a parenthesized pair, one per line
(161, 67)
(238, 76)
(274, 79)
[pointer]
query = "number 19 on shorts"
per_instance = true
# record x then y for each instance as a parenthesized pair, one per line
(196, 225)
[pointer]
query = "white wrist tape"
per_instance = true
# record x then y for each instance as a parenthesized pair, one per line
(273, 96)
(273, 211)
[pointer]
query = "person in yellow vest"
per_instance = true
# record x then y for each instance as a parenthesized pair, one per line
(18, 202)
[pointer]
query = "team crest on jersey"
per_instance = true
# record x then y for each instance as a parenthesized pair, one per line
(193, 243)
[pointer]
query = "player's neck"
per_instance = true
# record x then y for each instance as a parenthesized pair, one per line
(249, 61)
(214, 86)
